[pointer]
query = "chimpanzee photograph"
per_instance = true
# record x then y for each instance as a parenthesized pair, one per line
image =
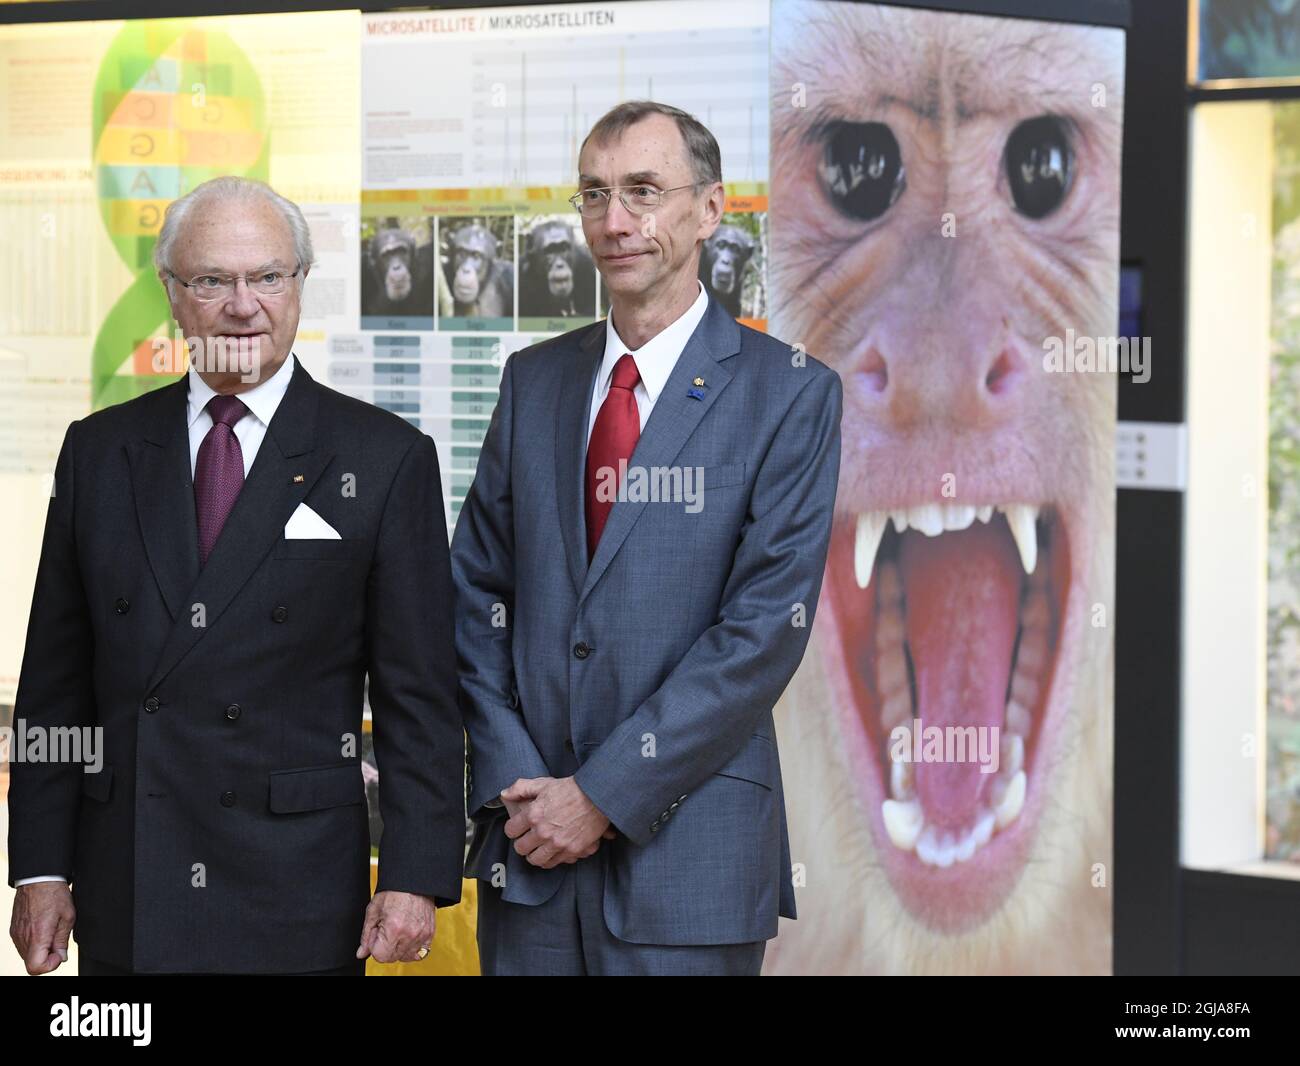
(396, 272)
(477, 261)
(731, 264)
(557, 278)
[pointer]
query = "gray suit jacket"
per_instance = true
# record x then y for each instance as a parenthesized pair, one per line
(650, 674)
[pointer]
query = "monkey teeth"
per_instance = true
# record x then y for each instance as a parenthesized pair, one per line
(902, 813)
(933, 519)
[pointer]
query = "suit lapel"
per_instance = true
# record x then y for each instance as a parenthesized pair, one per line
(164, 493)
(573, 412)
(671, 423)
(270, 494)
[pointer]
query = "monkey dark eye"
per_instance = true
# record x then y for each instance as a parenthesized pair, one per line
(1040, 165)
(862, 168)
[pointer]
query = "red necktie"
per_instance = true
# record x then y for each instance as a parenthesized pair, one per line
(613, 437)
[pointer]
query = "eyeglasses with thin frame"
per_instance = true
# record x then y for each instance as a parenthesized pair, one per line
(638, 199)
(207, 287)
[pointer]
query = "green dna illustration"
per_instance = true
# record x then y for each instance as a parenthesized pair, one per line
(175, 103)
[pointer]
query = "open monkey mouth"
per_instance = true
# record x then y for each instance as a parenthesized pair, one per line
(950, 615)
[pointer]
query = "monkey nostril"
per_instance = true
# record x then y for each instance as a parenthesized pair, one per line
(1002, 374)
(873, 371)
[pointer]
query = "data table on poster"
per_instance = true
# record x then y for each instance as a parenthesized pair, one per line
(445, 386)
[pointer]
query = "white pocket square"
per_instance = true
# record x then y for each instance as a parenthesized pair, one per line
(306, 524)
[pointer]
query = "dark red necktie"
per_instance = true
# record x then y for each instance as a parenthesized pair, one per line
(218, 471)
(613, 437)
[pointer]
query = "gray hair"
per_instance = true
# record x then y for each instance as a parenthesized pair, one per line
(229, 187)
(701, 146)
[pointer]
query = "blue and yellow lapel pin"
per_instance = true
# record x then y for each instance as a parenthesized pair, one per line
(696, 392)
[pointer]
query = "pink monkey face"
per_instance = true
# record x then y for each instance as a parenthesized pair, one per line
(945, 197)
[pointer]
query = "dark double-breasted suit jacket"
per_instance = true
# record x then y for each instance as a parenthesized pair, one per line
(227, 830)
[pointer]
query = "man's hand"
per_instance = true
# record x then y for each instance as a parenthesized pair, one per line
(397, 926)
(552, 821)
(513, 808)
(41, 924)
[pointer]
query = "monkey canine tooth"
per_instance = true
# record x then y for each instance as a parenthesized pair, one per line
(871, 527)
(1023, 518)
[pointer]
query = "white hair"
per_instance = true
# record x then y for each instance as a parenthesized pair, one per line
(229, 187)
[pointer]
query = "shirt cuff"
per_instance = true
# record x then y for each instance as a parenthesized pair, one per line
(34, 880)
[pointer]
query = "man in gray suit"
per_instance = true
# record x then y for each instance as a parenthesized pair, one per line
(637, 565)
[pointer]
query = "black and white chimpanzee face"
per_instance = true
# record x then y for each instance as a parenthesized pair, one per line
(550, 247)
(473, 253)
(945, 200)
(728, 251)
(392, 254)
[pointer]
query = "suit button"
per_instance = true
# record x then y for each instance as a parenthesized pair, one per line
(122, 605)
(568, 744)
(514, 698)
(673, 807)
(233, 712)
(679, 800)
(151, 704)
(227, 799)
(654, 827)
(580, 650)
(279, 614)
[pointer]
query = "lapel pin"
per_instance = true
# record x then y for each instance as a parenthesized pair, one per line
(698, 381)
(695, 394)
(297, 479)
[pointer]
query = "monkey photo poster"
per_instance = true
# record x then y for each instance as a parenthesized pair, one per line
(470, 249)
(944, 210)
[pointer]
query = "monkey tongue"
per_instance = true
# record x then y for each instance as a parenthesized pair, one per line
(962, 591)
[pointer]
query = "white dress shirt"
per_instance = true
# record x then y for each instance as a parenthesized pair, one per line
(654, 360)
(261, 401)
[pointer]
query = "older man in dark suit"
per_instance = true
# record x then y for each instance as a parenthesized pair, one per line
(225, 561)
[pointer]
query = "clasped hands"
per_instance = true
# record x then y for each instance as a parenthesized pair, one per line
(552, 821)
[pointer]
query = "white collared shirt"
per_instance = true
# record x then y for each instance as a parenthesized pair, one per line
(654, 360)
(261, 400)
